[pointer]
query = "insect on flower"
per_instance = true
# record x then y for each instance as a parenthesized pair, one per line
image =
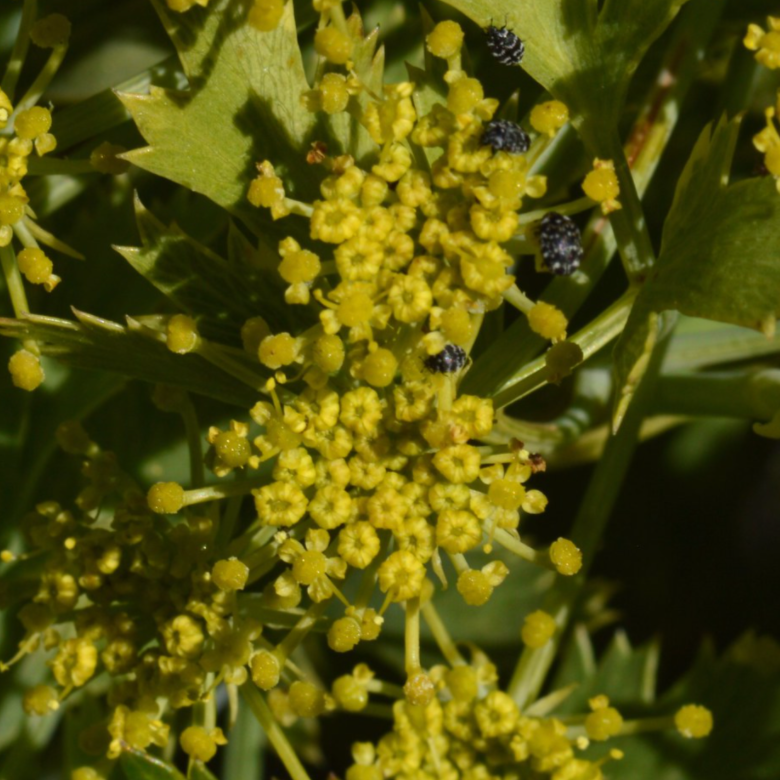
(560, 243)
(505, 136)
(451, 359)
(504, 45)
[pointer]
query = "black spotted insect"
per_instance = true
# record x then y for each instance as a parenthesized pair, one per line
(504, 45)
(505, 136)
(451, 359)
(560, 243)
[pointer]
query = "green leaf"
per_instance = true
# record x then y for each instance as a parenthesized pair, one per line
(624, 673)
(137, 765)
(717, 258)
(243, 106)
(243, 755)
(742, 689)
(95, 343)
(221, 294)
(581, 56)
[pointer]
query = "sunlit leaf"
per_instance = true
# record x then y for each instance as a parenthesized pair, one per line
(243, 106)
(583, 56)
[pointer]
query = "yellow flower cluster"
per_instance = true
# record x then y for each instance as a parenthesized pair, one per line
(471, 729)
(362, 456)
(148, 602)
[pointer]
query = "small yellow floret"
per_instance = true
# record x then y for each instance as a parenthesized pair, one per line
(344, 634)
(333, 93)
(265, 670)
(350, 693)
(537, 629)
(456, 326)
(40, 700)
(464, 95)
(306, 700)
(566, 557)
(265, 15)
(6, 109)
(34, 264)
(445, 40)
(11, 209)
(26, 370)
(182, 334)
(693, 721)
(549, 117)
(232, 449)
(200, 744)
(506, 494)
(33, 122)
(548, 321)
(379, 367)
(604, 722)
(334, 45)
(475, 588)
(165, 498)
(277, 351)
(230, 574)
(601, 185)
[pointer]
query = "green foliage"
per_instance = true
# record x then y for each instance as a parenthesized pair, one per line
(235, 112)
(716, 259)
(583, 56)
(221, 294)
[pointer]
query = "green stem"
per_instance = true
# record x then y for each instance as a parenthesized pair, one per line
(192, 430)
(30, 233)
(589, 525)
(628, 223)
(304, 625)
(441, 636)
(229, 520)
(21, 45)
(522, 550)
(13, 281)
(274, 732)
(55, 166)
(224, 490)
(412, 636)
(37, 88)
(590, 339)
(749, 395)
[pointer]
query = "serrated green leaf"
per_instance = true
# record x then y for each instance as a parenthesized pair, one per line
(137, 765)
(742, 689)
(624, 673)
(221, 294)
(582, 56)
(243, 106)
(717, 258)
(95, 343)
